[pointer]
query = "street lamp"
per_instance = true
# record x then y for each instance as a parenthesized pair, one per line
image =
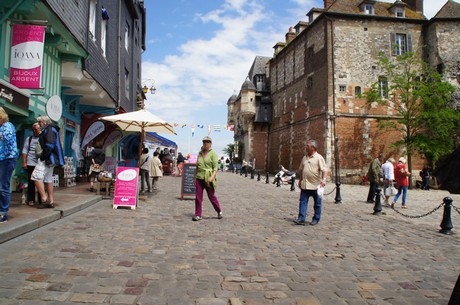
(152, 88)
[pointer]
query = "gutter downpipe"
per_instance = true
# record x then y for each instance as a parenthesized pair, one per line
(119, 56)
(338, 197)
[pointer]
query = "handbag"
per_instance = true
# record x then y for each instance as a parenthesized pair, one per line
(391, 191)
(39, 171)
(104, 176)
(38, 150)
(95, 168)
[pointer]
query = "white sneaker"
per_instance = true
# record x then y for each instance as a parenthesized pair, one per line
(196, 218)
(219, 215)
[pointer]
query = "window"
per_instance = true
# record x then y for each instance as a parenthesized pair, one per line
(399, 12)
(368, 9)
(310, 52)
(92, 19)
(400, 43)
(310, 82)
(127, 84)
(127, 37)
(383, 86)
(104, 37)
(342, 88)
(358, 91)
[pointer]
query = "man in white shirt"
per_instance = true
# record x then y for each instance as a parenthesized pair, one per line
(388, 174)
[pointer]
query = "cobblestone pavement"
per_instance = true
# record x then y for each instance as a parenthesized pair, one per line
(255, 255)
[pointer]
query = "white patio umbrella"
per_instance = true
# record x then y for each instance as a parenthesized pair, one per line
(140, 121)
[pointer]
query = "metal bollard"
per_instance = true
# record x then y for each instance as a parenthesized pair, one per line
(292, 184)
(446, 223)
(278, 181)
(378, 203)
(241, 172)
(338, 197)
(252, 174)
(236, 171)
(267, 178)
(258, 175)
(246, 172)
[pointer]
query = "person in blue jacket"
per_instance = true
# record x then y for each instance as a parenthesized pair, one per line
(51, 156)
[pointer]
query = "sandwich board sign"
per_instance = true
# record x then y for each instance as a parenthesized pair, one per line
(126, 185)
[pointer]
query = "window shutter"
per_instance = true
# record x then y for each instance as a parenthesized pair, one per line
(409, 42)
(393, 44)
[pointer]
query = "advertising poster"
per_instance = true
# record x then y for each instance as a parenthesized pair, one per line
(26, 55)
(126, 187)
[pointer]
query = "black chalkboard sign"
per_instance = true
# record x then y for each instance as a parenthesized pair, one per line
(188, 180)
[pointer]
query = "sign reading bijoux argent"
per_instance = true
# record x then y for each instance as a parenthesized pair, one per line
(27, 55)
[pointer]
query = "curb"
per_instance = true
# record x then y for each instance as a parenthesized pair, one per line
(24, 225)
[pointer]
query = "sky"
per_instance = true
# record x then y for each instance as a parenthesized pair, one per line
(199, 52)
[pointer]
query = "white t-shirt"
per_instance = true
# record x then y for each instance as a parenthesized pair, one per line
(388, 171)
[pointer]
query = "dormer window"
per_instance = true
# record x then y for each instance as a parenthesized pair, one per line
(368, 9)
(399, 12)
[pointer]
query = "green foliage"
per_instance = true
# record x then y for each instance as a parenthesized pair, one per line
(230, 150)
(419, 97)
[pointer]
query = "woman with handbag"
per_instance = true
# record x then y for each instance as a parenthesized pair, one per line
(97, 159)
(402, 179)
(144, 169)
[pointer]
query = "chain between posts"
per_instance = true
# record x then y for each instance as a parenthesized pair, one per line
(426, 214)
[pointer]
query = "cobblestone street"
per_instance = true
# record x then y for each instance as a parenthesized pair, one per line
(255, 255)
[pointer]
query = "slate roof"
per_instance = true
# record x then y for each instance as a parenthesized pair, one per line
(258, 66)
(381, 9)
(450, 10)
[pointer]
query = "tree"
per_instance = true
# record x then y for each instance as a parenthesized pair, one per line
(420, 98)
(230, 150)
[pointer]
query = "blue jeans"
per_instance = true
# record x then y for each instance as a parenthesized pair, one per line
(303, 204)
(402, 189)
(6, 170)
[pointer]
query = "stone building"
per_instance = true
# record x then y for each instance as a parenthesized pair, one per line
(318, 75)
(251, 113)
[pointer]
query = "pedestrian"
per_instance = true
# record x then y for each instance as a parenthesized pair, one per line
(97, 159)
(144, 169)
(221, 164)
(388, 177)
(49, 150)
(402, 180)
(29, 161)
(180, 163)
(373, 176)
(8, 157)
(313, 174)
(156, 170)
(205, 179)
(425, 174)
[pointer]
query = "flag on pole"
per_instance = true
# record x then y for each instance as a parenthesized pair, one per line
(231, 127)
(183, 125)
(193, 129)
(209, 130)
(200, 126)
(217, 128)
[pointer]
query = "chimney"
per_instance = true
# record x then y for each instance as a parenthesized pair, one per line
(328, 3)
(290, 35)
(415, 5)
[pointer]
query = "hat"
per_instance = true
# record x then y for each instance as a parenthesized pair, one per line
(207, 139)
(391, 160)
(402, 160)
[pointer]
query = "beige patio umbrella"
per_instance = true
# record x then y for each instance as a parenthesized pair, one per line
(140, 121)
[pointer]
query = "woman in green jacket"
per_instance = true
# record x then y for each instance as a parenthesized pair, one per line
(205, 178)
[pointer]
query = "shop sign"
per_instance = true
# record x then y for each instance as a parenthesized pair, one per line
(93, 131)
(14, 97)
(26, 55)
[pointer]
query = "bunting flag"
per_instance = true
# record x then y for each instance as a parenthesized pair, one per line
(217, 128)
(175, 124)
(193, 129)
(231, 127)
(209, 130)
(200, 126)
(183, 125)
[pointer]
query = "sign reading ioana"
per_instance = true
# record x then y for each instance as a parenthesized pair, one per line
(27, 55)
